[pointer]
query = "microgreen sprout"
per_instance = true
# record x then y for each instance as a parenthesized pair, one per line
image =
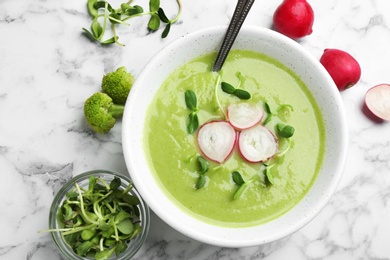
(285, 132)
(191, 103)
(237, 178)
(104, 15)
(240, 93)
(203, 168)
(267, 172)
(281, 112)
(98, 221)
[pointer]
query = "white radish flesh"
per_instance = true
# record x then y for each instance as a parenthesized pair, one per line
(216, 140)
(243, 115)
(257, 144)
(378, 101)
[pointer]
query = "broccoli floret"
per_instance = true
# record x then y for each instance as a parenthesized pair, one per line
(117, 85)
(101, 112)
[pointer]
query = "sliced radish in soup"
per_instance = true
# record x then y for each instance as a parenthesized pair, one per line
(216, 140)
(378, 101)
(257, 144)
(243, 115)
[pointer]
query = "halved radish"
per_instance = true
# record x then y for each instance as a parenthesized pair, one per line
(378, 101)
(216, 140)
(243, 115)
(257, 144)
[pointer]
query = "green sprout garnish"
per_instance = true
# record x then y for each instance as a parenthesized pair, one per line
(104, 15)
(278, 111)
(99, 221)
(191, 103)
(240, 93)
(237, 178)
(203, 168)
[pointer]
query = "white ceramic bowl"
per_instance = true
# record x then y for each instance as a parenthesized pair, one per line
(270, 43)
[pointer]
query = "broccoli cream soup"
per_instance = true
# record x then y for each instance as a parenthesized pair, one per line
(268, 189)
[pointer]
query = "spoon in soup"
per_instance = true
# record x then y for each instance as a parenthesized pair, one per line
(240, 13)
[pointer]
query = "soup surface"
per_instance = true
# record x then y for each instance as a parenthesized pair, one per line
(172, 152)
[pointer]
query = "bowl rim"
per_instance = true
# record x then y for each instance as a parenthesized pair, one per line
(64, 249)
(197, 234)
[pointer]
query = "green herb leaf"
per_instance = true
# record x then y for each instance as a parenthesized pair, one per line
(154, 5)
(237, 178)
(204, 165)
(125, 226)
(111, 40)
(242, 94)
(122, 215)
(193, 123)
(154, 22)
(120, 248)
(191, 101)
(240, 190)
(132, 200)
(267, 108)
(91, 9)
(125, 7)
(72, 238)
(269, 113)
(109, 242)
(89, 34)
(108, 232)
(115, 183)
(84, 248)
(268, 174)
(227, 88)
(91, 183)
(87, 234)
(68, 212)
(105, 254)
(60, 219)
(162, 15)
(201, 181)
(102, 4)
(166, 31)
(285, 131)
(135, 10)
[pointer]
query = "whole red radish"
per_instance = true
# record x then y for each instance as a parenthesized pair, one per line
(294, 18)
(342, 67)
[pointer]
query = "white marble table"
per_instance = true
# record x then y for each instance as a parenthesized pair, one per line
(48, 68)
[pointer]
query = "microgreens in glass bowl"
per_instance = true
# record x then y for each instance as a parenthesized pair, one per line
(99, 215)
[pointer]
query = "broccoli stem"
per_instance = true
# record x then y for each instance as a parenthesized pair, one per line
(116, 110)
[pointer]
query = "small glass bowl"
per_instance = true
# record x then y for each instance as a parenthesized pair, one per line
(132, 247)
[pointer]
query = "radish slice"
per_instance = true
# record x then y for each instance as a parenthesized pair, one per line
(378, 101)
(257, 144)
(216, 140)
(243, 115)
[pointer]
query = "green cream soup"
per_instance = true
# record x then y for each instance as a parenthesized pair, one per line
(172, 152)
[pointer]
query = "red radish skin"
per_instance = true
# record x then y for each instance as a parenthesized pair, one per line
(377, 100)
(243, 116)
(257, 144)
(342, 67)
(216, 140)
(294, 18)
